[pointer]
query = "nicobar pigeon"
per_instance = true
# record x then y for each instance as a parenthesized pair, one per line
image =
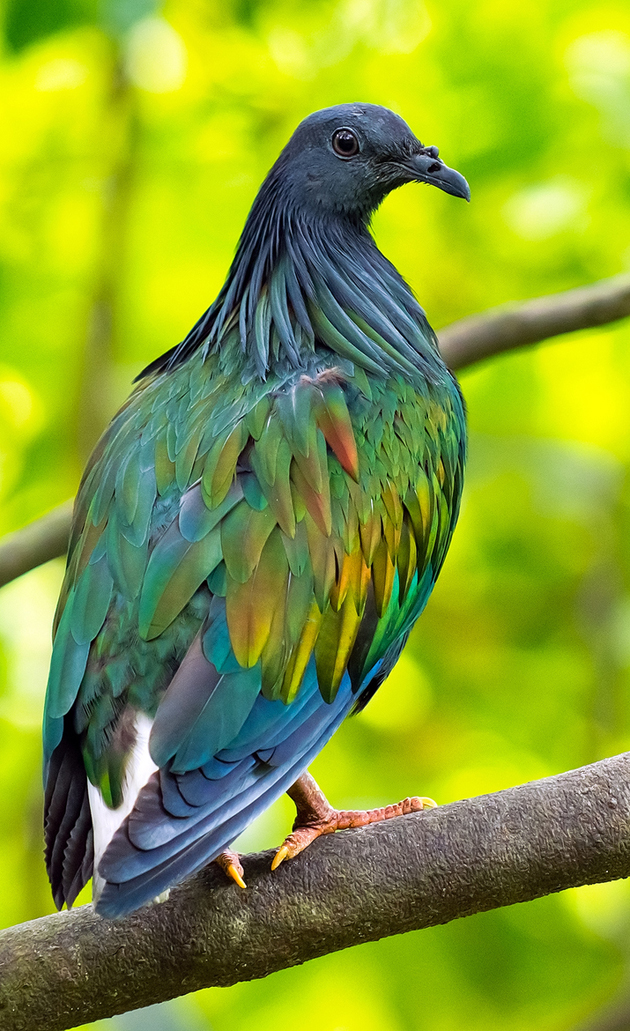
(255, 535)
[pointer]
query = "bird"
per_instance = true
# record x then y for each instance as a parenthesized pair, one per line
(255, 534)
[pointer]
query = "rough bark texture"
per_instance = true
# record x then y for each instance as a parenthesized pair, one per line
(412, 872)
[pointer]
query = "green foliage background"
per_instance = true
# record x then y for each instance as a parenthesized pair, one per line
(132, 141)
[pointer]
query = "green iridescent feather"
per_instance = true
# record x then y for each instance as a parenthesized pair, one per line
(285, 459)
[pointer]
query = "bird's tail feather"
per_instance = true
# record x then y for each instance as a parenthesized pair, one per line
(67, 823)
(188, 852)
(181, 821)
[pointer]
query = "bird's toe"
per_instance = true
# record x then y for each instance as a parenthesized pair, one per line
(231, 865)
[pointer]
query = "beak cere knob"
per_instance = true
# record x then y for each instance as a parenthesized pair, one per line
(427, 167)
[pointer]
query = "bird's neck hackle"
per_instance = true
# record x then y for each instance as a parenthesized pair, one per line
(302, 283)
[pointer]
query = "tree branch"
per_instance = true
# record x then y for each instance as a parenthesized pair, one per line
(412, 872)
(36, 543)
(500, 329)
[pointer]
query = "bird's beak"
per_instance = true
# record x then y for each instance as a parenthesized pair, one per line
(427, 167)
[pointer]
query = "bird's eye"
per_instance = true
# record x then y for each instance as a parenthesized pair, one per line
(345, 144)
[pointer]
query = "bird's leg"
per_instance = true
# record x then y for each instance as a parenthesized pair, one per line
(230, 863)
(315, 816)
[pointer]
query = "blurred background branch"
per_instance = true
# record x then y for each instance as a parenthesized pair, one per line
(501, 329)
(609, 1018)
(463, 343)
(39, 542)
(350, 888)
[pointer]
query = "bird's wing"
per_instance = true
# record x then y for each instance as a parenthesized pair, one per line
(267, 563)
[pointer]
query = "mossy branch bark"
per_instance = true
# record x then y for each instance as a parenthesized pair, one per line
(361, 885)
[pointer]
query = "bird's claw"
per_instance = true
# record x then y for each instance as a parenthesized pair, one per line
(233, 872)
(300, 837)
(282, 854)
(230, 863)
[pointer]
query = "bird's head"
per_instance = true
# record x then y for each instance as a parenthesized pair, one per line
(338, 166)
(344, 160)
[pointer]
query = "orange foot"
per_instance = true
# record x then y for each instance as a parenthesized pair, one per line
(315, 816)
(230, 863)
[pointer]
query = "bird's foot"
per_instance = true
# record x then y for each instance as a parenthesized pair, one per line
(315, 816)
(230, 863)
